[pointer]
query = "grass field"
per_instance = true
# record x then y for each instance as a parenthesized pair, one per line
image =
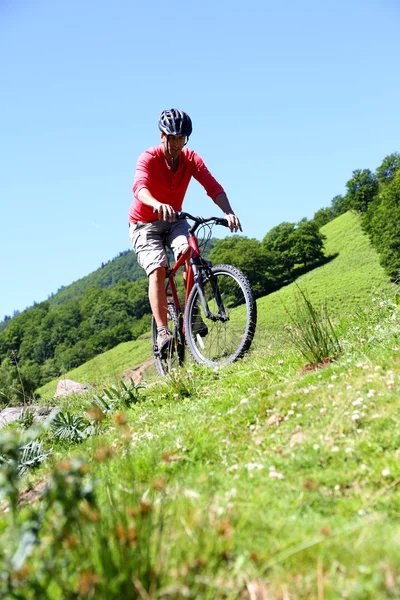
(263, 480)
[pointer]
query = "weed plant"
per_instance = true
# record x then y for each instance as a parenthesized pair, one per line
(311, 331)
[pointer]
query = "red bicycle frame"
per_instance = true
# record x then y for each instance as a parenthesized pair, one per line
(193, 252)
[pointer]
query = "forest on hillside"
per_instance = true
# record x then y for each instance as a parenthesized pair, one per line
(111, 306)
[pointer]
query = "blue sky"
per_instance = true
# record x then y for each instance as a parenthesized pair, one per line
(286, 99)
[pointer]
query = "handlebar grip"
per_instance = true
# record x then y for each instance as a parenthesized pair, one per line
(223, 222)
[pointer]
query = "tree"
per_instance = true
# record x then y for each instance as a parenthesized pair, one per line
(361, 189)
(279, 242)
(323, 216)
(249, 256)
(386, 171)
(384, 227)
(307, 243)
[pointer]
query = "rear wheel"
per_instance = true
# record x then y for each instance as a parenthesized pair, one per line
(231, 328)
(175, 354)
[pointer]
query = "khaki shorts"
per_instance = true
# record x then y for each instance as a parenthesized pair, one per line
(149, 241)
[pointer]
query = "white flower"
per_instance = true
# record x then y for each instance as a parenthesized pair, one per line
(252, 466)
(335, 448)
(191, 494)
(275, 475)
(385, 473)
(232, 468)
(358, 402)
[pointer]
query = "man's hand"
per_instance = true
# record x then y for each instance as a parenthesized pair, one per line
(233, 222)
(165, 212)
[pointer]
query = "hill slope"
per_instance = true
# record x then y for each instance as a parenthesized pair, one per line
(348, 281)
(259, 480)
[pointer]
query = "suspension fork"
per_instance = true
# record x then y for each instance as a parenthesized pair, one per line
(198, 282)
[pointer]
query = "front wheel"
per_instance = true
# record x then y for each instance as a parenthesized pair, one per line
(232, 322)
(175, 356)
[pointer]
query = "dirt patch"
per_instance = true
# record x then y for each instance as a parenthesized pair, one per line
(136, 374)
(317, 365)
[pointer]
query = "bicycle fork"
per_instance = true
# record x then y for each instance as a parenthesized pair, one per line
(221, 316)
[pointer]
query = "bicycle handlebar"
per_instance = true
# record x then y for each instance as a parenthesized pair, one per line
(199, 220)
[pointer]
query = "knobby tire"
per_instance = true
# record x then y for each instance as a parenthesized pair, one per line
(227, 341)
(175, 356)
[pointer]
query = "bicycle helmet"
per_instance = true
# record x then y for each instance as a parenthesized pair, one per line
(175, 122)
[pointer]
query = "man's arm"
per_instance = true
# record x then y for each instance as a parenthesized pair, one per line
(165, 211)
(222, 201)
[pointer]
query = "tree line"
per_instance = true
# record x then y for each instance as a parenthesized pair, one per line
(111, 305)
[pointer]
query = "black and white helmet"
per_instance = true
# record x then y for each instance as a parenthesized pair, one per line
(175, 122)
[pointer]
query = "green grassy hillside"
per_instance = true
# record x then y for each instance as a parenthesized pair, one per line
(347, 282)
(262, 480)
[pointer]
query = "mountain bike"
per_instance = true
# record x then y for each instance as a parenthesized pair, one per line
(219, 318)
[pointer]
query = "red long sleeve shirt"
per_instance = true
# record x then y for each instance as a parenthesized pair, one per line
(168, 187)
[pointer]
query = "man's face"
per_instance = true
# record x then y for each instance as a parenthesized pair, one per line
(173, 144)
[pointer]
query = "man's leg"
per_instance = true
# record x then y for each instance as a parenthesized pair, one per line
(158, 297)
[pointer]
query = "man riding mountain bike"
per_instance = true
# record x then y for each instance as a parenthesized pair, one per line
(161, 180)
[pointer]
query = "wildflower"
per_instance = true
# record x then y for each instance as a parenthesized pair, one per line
(103, 453)
(145, 506)
(252, 466)
(159, 483)
(64, 465)
(87, 582)
(358, 402)
(119, 418)
(191, 494)
(225, 528)
(95, 413)
(275, 475)
(385, 473)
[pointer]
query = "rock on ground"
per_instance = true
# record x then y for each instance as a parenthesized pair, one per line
(67, 386)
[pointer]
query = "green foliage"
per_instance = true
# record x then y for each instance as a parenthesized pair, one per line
(251, 258)
(293, 245)
(72, 427)
(118, 396)
(31, 456)
(390, 165)
(26, 417)
(339, 205)
(383, 225)
(361, 189)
